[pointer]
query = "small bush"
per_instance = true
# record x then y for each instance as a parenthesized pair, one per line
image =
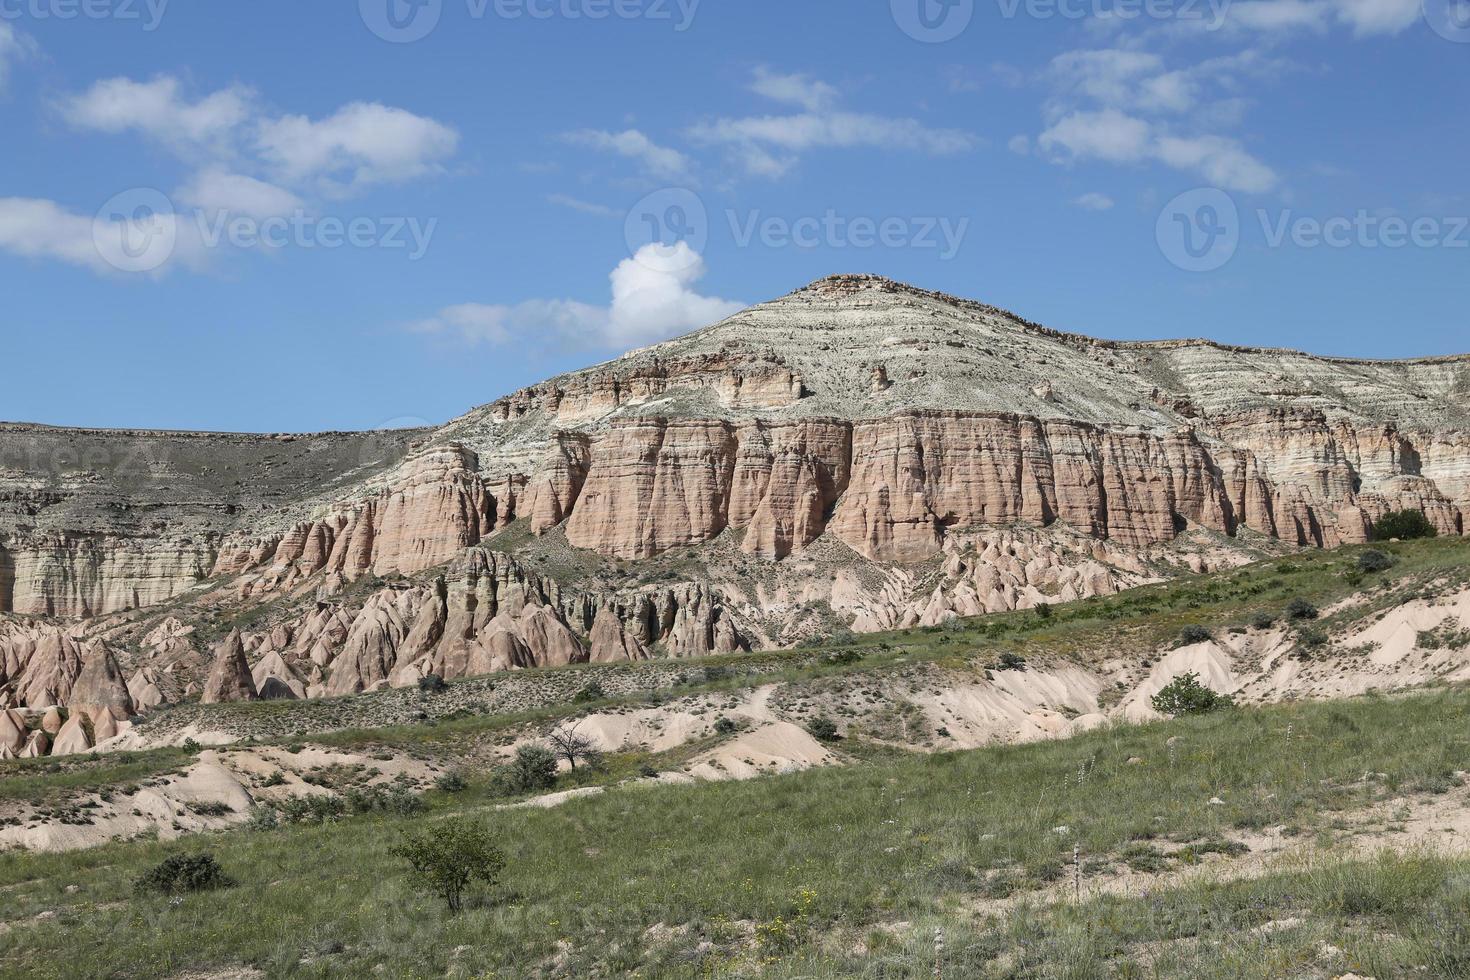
(432, 684)
(724, 726)
(183, 873)
(450, 856)
(648, 770)
(533, 768)
(1010, 661)
(312, 809)
(1185, 695)
(1405, 525)
(263, 818)
(1194, 633)
(823, 729)
(451, 782)
(591, 692)
(1376, 561)
(1299, 609)
(1044, 611)
(1263, 621)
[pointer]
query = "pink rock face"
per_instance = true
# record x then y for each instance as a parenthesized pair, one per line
(101, 684)
(229, 679)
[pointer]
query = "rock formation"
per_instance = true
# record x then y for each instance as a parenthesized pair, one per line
(229, 679)
(858, 451)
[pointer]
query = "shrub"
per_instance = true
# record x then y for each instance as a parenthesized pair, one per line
(648, 770)
(1376, 561)
(823, 729)
(183, 873)
(591, 692)
(533, 768)
(1300, 609)
(312, 809)
(451, 782)
(1263, 621)
(432, 684)
(1044, 611)
(724, 726)
(380, 799)
(1185, 695)
(1010, 661)
(1194, 633)
(448, 857)
(1406, 525)
(1311, 639)
(263, 818)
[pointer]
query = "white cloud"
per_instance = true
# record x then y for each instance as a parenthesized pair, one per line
(771, 145)
(1107, 135)
(108, 245)
(802, 90)
(660, 161)
(216, 190)
(653, 298)
(1114, 137)
(586, 207)
(1221, 161)
(1019, 144)
(14, 47)
(157, 110)
(362, 143)
(1093, 201)
(1365, 18)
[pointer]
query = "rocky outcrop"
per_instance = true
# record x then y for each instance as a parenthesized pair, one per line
(229, 679)
(100, 685)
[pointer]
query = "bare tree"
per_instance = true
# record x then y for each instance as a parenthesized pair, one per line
(570, 744)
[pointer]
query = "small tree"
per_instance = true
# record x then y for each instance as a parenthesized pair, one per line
(1010, 661)
(823, 729)
(1406, 525)
(533, 768)
(1194, 633)
(1300, 609)
(569, 744)
(1185, 695)
(449, 856)
(183, 873)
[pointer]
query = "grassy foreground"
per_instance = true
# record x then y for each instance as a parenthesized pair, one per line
(840, 872)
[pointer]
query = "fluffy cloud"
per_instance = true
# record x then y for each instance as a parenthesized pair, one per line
(105, 244)
(361, 144)
(771, 145)
(1126, 106)
(156, 109)
(801, 90)
(217, 190)
(660, 161)
(653, 298)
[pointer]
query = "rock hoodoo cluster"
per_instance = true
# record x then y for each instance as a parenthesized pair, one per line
(699, 496)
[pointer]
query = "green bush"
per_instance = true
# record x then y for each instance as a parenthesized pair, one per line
(591, 692)
(724, 726)
(432, 684)
(312, 809)
(1194, 633)
(1010, 661)
(823, 729)
(451, 782)
(533, 768)
(1263, 621)
(1185, 695)
(183, 873)
(1300, 609)
(1405, 525)
(449, 856)
(1376, 561)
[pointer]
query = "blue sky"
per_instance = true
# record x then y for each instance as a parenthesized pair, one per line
(172, 174)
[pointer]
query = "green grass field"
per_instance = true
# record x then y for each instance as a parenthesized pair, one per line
(789, 875)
